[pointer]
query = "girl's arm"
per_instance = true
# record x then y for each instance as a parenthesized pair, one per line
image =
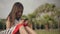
(22, 28)
(29, 30)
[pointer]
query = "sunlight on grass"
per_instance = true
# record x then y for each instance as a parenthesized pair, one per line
(47, 31)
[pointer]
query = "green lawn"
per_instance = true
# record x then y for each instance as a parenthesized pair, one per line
(55, 31)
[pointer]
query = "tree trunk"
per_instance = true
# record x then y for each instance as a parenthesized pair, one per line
(46, 27)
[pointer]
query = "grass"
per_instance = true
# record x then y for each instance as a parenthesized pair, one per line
(55, 31)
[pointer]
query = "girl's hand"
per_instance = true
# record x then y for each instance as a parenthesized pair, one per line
(21, 22)
(24, 22)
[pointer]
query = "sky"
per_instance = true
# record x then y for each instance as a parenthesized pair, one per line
(29, 5)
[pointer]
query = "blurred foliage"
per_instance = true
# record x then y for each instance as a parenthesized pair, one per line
(46, 14)
(2, 23)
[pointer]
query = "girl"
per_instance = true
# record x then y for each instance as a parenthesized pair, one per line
(14, 24)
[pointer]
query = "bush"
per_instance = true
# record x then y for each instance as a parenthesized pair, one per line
(1, 25)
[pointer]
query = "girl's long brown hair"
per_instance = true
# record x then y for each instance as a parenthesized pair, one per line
(15, 8)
